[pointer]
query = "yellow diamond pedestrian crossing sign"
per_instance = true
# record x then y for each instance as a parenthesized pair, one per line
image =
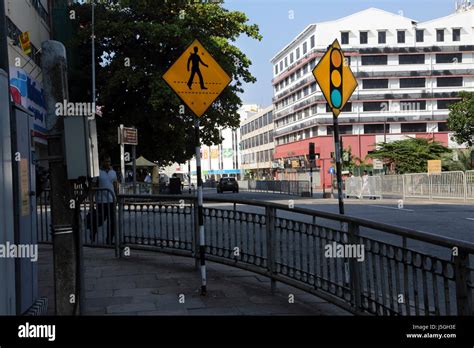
(335, 78)
(197, 78)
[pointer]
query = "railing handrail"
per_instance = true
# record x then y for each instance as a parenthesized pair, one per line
(422, 236)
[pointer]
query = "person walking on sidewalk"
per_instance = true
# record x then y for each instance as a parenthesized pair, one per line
(106, 196)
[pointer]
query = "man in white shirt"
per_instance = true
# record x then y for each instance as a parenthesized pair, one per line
(106, 196)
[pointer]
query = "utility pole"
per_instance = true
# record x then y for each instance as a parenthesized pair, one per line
(65, 243)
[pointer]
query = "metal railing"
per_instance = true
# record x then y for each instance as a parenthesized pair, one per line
(444, 185)
(383, 270)
(96, 214)
(296, 187)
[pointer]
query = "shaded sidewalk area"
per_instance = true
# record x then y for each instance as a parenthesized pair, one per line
(153, 283)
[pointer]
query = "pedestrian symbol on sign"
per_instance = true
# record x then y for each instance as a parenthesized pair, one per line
(196, 60)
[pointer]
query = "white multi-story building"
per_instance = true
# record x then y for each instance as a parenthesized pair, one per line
(408, 73)
(257, 145)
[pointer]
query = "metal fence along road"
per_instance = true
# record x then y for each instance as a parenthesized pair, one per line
(444, 185)
(288, 187)
(360, 265)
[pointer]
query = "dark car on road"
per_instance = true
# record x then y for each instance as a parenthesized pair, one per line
(227, 184)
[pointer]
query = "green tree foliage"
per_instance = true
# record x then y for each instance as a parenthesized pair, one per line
(150, 35)
(458, 160)
(461, 119)
(409, 155)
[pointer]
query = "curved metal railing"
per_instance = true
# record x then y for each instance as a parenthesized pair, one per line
(360, 265)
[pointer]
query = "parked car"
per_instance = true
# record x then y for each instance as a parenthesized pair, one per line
(227, 184)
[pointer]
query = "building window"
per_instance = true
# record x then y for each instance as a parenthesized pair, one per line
(286, 62)
(297, 53)
(412, 83)
(411, 59)
(449, 58)
(444, 104)
(313, 87)
(305, 48)
(440, 35)
(345, 129)
(443, 127)
(412, 105)
(364, 37)
(374, 60)
(281, 66)
(276, 70)
(345, 38)
(312, 43)
(456, 34)
(291, 58)
(382, 37)
(376, 128)
(449, 81)
(401, 36)
(420, 35)
(374, 83)
(413, 127)
(374, 106)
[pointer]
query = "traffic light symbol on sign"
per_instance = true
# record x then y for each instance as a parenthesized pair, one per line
(336, 78)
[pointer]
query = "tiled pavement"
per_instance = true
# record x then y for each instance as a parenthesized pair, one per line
(149, 283)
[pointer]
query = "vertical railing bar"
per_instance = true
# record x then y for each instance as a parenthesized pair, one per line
(447, 297)
(373, 260)
(370, 301)
(435, 292)
(397, 284)
(405, 276)
(415, 287)
(462, 278)
(354, 269)
(270, 237)
(382, 279)
(426, 302)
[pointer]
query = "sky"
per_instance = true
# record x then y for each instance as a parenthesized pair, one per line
(279, 27)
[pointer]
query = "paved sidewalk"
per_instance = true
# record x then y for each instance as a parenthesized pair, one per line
(149, 283)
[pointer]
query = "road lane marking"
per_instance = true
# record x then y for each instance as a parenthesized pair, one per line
(472, 219)
(394, 208)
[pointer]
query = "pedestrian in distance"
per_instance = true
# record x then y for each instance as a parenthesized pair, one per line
(108, 188)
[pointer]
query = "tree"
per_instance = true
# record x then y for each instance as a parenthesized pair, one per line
(137, 41)
(458, 160)
(461, 119)
(409, 155)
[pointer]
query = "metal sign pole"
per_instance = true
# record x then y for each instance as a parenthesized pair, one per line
(311, 177)
(134, 155)
(202, 241)
(189, 175)
(122, 154)
(337, 152)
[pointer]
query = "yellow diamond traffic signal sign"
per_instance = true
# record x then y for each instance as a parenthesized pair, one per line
(335, 78)
(197, 78)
